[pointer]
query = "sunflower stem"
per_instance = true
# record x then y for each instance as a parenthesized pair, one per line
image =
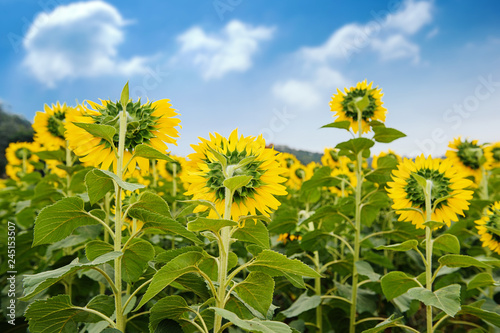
(69, 163)
(174, 185)
(155, 174)
(120, 318)
(428, 251)
(357, 236)
(224, 248)
(25, 161)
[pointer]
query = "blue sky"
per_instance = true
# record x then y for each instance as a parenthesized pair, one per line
(266, 67)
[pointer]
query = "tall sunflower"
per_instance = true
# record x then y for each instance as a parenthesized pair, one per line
(389, 153)
(490, 220)
(49, 125)
(448, 195)
(492, 154)
(330, 157)
(204, 177)
(363, 97)
(467, 156)
(347, 178)
(151, 123)
(299, 173)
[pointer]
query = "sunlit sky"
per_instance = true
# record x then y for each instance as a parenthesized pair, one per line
(264, 67)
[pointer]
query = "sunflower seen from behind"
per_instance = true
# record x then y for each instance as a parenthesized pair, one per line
(151, 123)
(363, 97)
(487, 225)
(449, 195)
(467, 156)
(204, 177)
(492, 154)
(388, 153)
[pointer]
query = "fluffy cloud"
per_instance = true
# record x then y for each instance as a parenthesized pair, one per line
(78, 40)
(388, 35)
(217, 54)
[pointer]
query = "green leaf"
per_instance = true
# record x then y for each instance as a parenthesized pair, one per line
(124, 185)
(102, 131)
(97, 248)
(488, 316)
(433, 224)
(247, 160)
(57, 314)
(135, 260)
(381, 327)
(58, 221)
(254, 325)
(458, 260)
(302, 304)
(253, 232)
(183, 264)
(365, 269)
(320, 178)
(396, 283)
(338, 124)
(155, 213)
(447, 243)
(170, 307)
(387, 162)
(420, 180)
(446, 298)
(276, 264)
(284, 220)
(166, 256)
(221, 158)
(237, 182)
(206, 203)
(237, 307)
(257, 290)
(33, 284)
(213, 225)
(58, 155)
(151, 153)
(77, 184)
(105, 304)
(481, 280)
(401, 247)
(98, 184)
(124, 97)
(356, 145)
(386, 134)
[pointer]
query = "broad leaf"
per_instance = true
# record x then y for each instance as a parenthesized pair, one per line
(405, 246)
(381, 327)
(447, 243)
(155, 213)
(257, 291)
(254, 325)
(102, 131)
(237, 182)
(214, 225)
(386, 134)
(170, 307)
(94, 249)
(338, 124)
(446, 298)
(254, 232)
(183, 264)
(135, 260)
(488, 316)
(33, 284)
(123, 184)
(365, 269)
(356, 145)
(302, 304)
(457, 260)
(149, 152)
(276, 264)
(481, 280)
(98, 184)
(58, 221)
(396, 283)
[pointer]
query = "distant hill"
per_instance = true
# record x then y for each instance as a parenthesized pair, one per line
(303, 156)
(12, 128)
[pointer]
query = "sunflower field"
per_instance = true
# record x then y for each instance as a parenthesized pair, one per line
(104, 231)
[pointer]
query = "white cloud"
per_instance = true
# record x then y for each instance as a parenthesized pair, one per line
(78, 40)
(388, 35)
(393, 31)
(229, 50)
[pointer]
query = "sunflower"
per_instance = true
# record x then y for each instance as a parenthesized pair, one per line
(363, 96)
(490, 220)
(299, 173)
(347, 177)
(389, 153)
(492, 154)
(166, 168)
(204, 178)
(151, 123)
(466, 155)
(448, 189)
(19, 154)
(52, 166)
(49, 125)
(284, 238)
(330, 157)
